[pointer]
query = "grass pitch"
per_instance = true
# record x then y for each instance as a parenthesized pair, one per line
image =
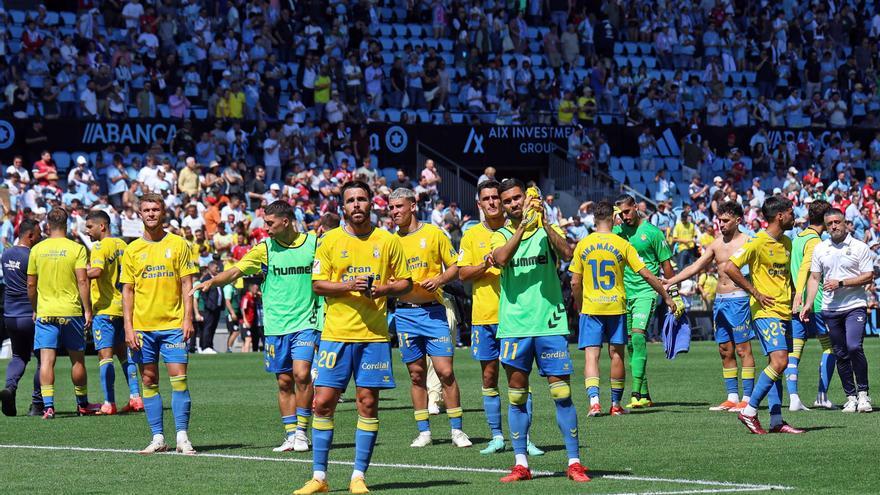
(679, 446)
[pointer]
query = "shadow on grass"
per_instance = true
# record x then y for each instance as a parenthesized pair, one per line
(817, 428)
(223, 446)
(405, 485)
(681, 404)
(592, 473)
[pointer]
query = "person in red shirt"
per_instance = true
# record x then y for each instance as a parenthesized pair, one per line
(810, 177)
(44, 167)
(249, 318)
(240, 249)
(868, 189)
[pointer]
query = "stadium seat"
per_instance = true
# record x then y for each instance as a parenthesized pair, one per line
(17, 16)
(52, 18)
(399, 30)
(390, 174)
(133, 112)
(200, 112)
(62, 160)
(385, 29)
(619, 175)
(615, 163)
(415, 30)
(69, 18)
(618, 48)
(16, 31)
(531, 33)
(457, 118)
(445, 45)
(387, 43)
(424, 116)
(392, 114)
(627, 163)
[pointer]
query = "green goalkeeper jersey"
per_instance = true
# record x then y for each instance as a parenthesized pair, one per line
(531, 294)
(650, 243)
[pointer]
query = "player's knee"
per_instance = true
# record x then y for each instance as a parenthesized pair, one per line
(518, 396)
(418, 376)
(285, 384)
(560, 391)
(178, 383)
(779, 364)
(150, 390)
(743, 351)
(302, 376)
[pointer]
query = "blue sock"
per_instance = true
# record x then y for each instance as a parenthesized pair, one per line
(303, 417)
(48, 393)
(455, 417)
(774, 399)
(108, 379)
(617, 385)
(566, 417)
(592, 385)
(765, 382)
(82, 395)
(364, 441)
(730, 380)
(289, 423)
(153, 408)
(322, 437)
(529, 410)
(791, 374)
(492, 409)
(180, 402)
(748, 379)
(826, 364)
(422, 422)
(518, 419)
(131, 377)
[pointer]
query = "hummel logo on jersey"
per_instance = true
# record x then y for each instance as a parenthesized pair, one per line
(343, 254)
(541, 259)
(860, 319)
(574, 432)
(291, 270)
(515, 435)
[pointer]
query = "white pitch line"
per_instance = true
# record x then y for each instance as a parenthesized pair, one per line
(697, 482)
(722, 486)
(277, 459)
(703, 490)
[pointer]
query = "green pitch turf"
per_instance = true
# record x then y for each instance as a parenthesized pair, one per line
(235, 414)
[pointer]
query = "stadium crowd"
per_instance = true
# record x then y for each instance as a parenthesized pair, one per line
(716, 63)
(312, 77)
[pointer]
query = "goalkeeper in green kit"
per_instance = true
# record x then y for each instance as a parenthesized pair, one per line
(641, 300)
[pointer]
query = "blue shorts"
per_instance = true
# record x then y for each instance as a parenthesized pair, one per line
(732, 315)
(52, 332)
(282, 350)
(168, 344)
(415, 347)
(550, 352)
(108, 331)
(484, 345)
(774, 334)
(429, 321)
(599, 329)
(813, 328)
(368, 362)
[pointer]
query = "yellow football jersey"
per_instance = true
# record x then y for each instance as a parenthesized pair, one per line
(155, 270)
(475, 247)
(55, 261)
(341, 257)
(106, 296)
(768, 261)
(600, 259)
(428, 253)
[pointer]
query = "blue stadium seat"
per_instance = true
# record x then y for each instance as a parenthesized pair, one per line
(618, 48)
(534, 47)
(627, 163)
(400, 15)
(400, 30)
(393, 114)
(618, 175)
(164, 111)
(385, 29)
(645, 48)
(615, 163)
(385, 14)
(133, 112)
(52, 18)
(17, 16)
(630, 48)
(537, 61)
(200, 112)
(62, 160)
(387, 58)
(424, 116)
(390, 174)
(387, 43)
(15, 32)
(673, 164)
(621, 61)
(445, 45)
(69, 18)
(415, 30)
(448, 58)
(457, 118)
(432, 43)
(531, 33)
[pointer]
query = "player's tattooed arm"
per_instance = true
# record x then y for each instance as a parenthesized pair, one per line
(694, 268)
(502, 254)
(577, 291)
(559, 242)
(812, 288)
